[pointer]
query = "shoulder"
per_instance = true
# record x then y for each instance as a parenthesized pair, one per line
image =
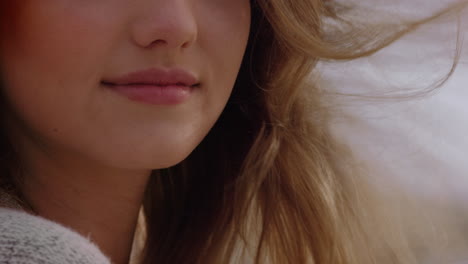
(29, 239)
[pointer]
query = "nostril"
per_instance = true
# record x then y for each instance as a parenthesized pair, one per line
(158, 42)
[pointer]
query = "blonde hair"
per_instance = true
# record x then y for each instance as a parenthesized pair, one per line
(269, 181)
(269, 175)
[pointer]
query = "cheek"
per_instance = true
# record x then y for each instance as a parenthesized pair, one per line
(38, 56)
(55, 48)
(44, 67)
(10, 17)
(224, 32)
(43, 31)
(227, 26)
(9, 13)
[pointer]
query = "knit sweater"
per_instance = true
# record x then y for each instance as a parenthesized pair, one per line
(30, 239)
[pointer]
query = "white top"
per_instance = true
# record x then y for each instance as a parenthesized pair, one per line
(29, 239)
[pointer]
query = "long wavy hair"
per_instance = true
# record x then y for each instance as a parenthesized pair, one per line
(269, 183)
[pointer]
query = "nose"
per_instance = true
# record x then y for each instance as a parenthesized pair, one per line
(168, 23)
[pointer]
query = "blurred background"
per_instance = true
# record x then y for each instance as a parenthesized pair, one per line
(416, 150)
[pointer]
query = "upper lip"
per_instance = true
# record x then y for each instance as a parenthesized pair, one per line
(155, 76)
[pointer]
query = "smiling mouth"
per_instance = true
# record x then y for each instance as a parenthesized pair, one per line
(140, 84)
(154, 94)
(154, 86)
(156, 77)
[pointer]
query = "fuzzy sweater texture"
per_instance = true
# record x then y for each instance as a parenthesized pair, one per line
(30, 239)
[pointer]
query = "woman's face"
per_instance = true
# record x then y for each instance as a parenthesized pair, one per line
(59, 59)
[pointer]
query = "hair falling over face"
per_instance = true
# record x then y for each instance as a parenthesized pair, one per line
(269, 183)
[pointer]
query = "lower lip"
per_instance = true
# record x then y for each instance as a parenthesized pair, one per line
(152, 94)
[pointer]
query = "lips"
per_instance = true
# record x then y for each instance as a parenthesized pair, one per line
(154, 86)
(156, 77)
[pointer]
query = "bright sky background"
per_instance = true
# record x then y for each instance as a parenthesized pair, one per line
(421, 143)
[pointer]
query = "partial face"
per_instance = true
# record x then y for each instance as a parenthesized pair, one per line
(59, 57)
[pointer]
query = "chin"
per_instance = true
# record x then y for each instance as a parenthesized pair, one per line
(151, 160)
(167, 163)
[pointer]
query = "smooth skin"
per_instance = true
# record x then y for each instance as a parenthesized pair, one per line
(87, 151)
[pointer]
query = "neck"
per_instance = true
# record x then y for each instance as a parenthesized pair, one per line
(100, 203)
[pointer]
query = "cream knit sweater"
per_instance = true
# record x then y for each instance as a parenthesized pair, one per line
(30, 239)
